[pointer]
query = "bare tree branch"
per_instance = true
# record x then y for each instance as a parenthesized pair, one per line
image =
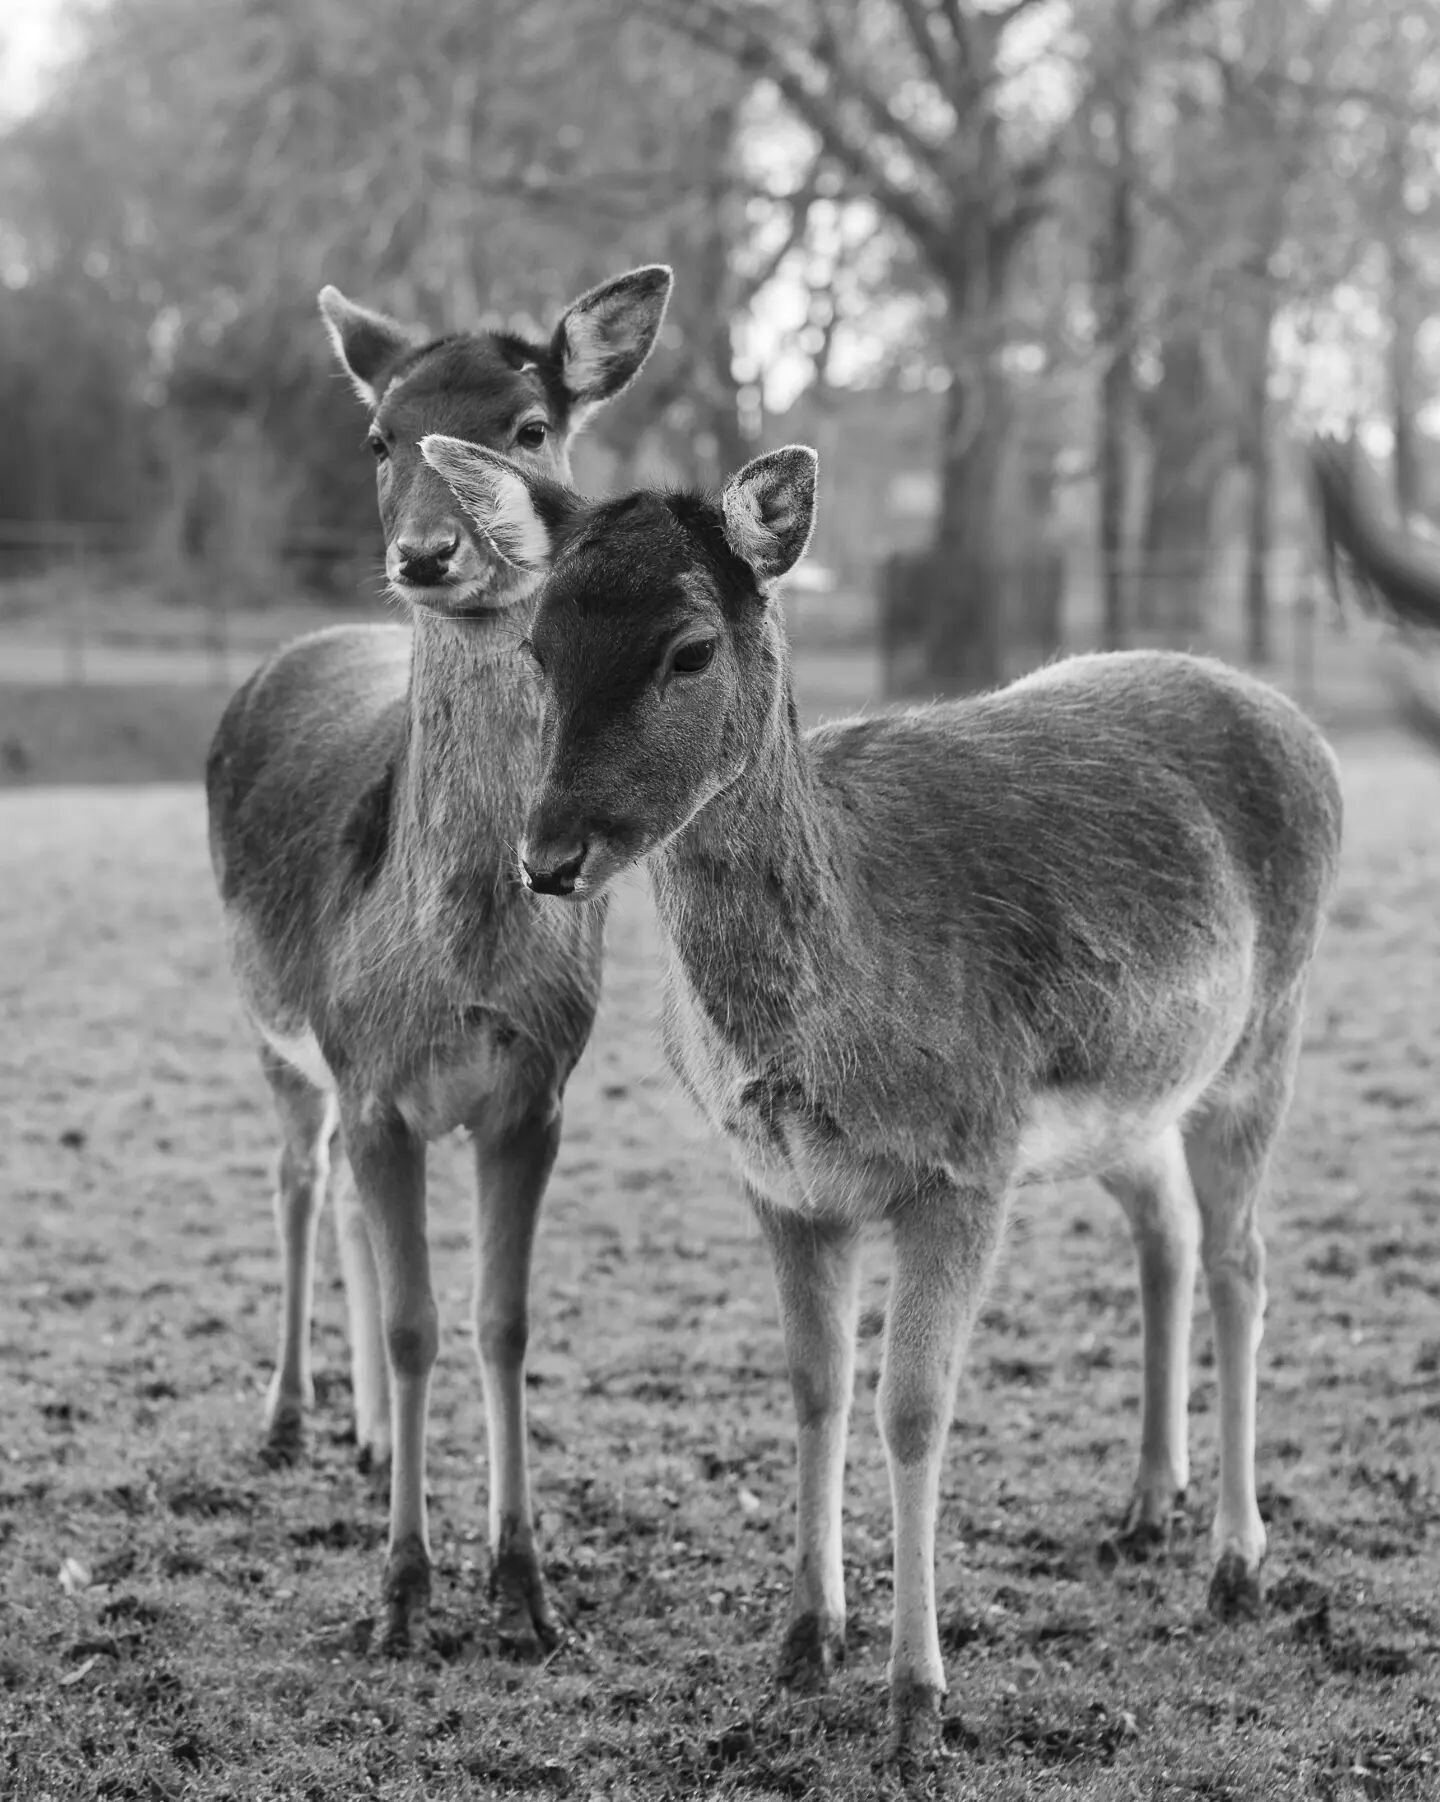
(800, 203)
(827, 53)
(726, 29)
(918, 17)
(1005, 16)
(961, 30)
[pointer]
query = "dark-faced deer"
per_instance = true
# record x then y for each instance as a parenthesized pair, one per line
(366, 791)
(916, 961)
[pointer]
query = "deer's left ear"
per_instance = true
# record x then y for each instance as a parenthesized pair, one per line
(769, 510)
(520, 513)
(604, 337)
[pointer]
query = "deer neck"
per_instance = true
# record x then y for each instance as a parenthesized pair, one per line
(472, 714)
(751, 894)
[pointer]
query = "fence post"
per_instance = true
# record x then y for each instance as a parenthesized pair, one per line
(220, 636)
(75, 643)
(1304, 645)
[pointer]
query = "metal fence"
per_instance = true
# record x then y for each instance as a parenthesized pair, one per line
(85, 604)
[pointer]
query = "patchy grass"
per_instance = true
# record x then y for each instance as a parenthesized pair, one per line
(106, 732)
(209, 1637)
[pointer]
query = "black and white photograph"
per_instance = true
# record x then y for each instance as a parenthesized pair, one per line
(720, 900)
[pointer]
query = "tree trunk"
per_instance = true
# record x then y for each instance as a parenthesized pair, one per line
(1187, 460)
(967, 578)
(1256, 314)
(1113, 266)
(1258, 527)
(1405, 320)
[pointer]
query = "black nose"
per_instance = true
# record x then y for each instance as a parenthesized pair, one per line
(555, 878)
(424, 565)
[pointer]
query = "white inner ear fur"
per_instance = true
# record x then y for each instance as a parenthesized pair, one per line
(337, 338)
(589, 350)
(519, 533)
(748, 535)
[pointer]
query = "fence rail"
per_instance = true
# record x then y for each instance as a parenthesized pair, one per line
(78, 606)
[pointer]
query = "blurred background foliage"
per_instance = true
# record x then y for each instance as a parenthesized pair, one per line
(1054, 285)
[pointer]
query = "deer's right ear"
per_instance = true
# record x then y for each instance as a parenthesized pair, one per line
(366, 343)
(603, 339)
(769, 510)
(520, 513)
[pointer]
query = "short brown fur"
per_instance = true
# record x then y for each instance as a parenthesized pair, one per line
(1058, 930)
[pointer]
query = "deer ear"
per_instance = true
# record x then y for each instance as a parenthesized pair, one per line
(769, 510)
(366, 343)
(603, 339)
(507, 503)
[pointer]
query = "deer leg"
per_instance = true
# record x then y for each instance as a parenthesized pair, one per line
(817, 1267)
(388, 1165)
(307, 1122)
(1154, 1190)
(945, 1242)
(369, 1359)
(1229, 1148)
(512, 1171)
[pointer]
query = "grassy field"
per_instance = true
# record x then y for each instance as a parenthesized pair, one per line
(178, 1621)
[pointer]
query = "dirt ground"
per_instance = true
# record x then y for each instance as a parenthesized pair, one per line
(178, 1621)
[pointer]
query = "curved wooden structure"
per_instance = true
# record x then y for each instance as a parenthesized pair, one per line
(1396, 575)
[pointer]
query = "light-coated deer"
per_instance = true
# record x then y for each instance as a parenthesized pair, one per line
(366, 790)
(915, 961)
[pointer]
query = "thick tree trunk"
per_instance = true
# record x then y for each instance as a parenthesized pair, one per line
(1113, 276)
(1187, 460)
(1258, 646)
(1258, 455)
(1113, 266)
(1406, 317)
(968, 576)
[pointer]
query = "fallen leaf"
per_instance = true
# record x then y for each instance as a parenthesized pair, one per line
(74, 1576)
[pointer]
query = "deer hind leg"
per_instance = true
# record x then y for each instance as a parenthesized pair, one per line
(817, 1266)
(307, 1118)
(945, 1243)
(1154, 1190)
(512, 1170)
(369, 1359)
(1229, 1147)
(388, 1165)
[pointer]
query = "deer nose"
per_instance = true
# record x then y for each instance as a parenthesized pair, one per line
(555, 872)
(423, 561)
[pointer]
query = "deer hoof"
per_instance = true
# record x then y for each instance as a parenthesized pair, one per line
(407, 1596)
(525, 1626)
(1235, 1589)
(813, 1651)
(914, 1736)
(284, 1438)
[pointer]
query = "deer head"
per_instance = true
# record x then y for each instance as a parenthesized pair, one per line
(660, 656)
(492, 388)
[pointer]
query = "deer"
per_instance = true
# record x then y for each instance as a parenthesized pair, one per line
(365, 789)
(917, 961)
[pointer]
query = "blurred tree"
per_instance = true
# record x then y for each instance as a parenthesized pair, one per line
(923, 107)
(1256, 181)
(453, 163)
(1051, 229)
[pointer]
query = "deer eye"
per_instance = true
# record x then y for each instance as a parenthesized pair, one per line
(379, 449)
(532, 435)
(693, 657)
